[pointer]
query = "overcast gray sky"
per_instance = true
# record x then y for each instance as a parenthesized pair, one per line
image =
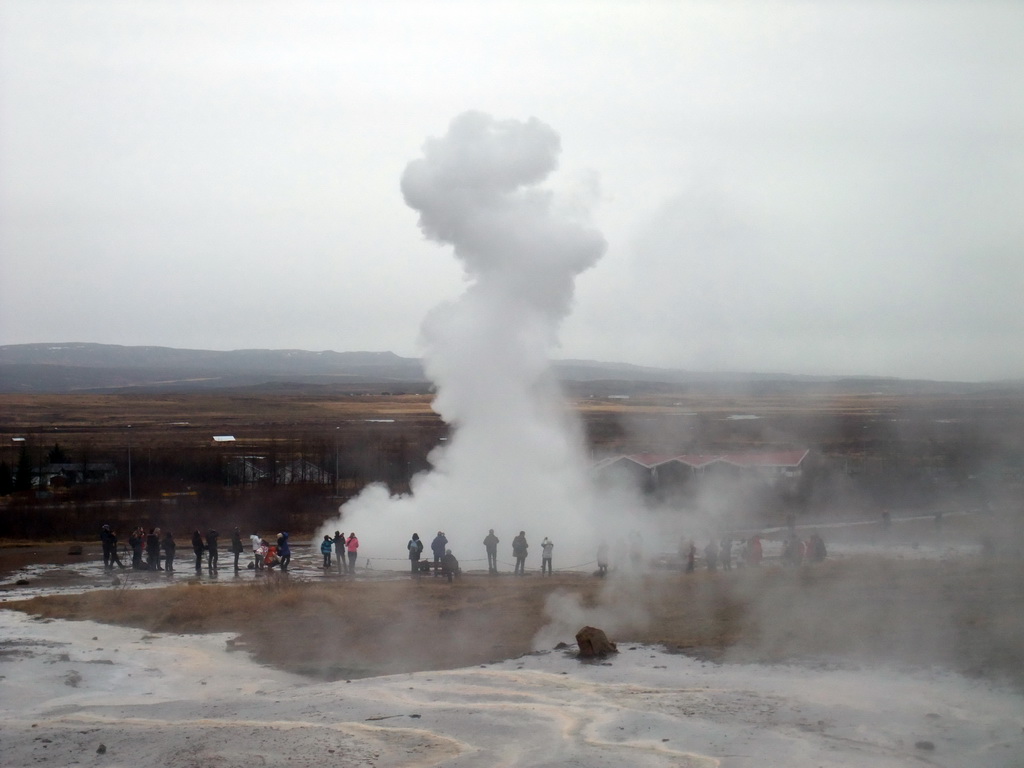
(830, 188)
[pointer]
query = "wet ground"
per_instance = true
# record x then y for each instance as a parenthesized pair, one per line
(36, 569)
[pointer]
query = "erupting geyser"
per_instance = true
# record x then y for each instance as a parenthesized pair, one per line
(515, 460)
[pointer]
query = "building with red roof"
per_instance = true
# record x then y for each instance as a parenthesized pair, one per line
(672, 473)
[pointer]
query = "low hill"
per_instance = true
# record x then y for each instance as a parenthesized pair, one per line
(107, 368)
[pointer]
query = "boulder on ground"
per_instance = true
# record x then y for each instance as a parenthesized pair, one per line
(594, 642)
(75, 549)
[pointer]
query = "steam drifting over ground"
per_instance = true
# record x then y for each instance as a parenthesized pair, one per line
(516, 459)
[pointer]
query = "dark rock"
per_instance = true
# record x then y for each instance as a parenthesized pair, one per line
(75, 549)
(925, 745)
(22, 582)
(594, 642)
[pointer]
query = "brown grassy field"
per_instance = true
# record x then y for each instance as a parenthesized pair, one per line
(965, 615)
(191, 419)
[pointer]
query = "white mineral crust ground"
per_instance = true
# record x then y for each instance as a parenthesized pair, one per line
(82, 693)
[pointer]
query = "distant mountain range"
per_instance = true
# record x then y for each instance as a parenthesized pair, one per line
(108, 368)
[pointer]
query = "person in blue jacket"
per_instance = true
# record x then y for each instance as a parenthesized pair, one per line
(283, 550)
(325, 549)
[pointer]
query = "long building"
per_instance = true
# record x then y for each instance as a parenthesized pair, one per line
(664, 473)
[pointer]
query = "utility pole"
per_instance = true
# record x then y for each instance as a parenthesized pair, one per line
(129, 462)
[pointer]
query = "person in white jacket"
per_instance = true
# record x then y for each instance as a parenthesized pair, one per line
(258, 552)
(545, 556)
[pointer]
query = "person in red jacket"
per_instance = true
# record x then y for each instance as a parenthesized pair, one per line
(353, 550)
(754, 551)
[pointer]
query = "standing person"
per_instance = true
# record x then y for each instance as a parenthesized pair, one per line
(153, 549)
(169, 547)
(415, 547)
(115, 559)
(754, 551)
(519, 550)
(197, 547)
(691, 557)
(339, 551)
(438, 546)
(325, 549)
(212, 556)
(284, 550)
(602, 558)
(135, 541)
(258, 553)
(817, 550)
(636, 550)
(236, 546)
(491, 545)
(353, 550)
(794, 548)
(545, 556)
(711, 556)
(109, 543)
(725, 553)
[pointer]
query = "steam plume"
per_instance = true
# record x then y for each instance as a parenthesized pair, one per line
(515, 460)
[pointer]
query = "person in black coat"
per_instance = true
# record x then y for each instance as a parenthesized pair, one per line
(449, 566)
(211, 549)
(169, 547)
(491, 545)
(339, 551)
(135, 540)
(108, 539)
(198, 547)
(519, 550)
(438, 546)
(153, 549)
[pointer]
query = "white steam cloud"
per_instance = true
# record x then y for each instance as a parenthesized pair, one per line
(515, 460)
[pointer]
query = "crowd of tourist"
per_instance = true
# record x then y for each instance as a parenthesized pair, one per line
(155, 551)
